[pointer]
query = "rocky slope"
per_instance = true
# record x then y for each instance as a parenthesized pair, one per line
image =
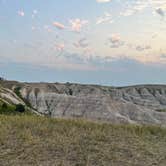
(9, 97)
(144, 104)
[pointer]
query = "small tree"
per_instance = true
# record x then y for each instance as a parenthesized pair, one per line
(4, 106)
(20, 108)
(70, 92)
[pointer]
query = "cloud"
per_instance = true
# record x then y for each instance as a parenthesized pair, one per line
(47, 28)
(154, 35)
(34, 13)
(115, 41)
(103, 1)
(158, 3)
(163, 56)
(82, 43)
(21, 13)
(89, 51)
(128, 12)
(143, 48)
(135, 7)
(33, 28)
(77, 24)
(59, 25)
(160, 11)
(107, 18)
(115, 38)
(60, 47)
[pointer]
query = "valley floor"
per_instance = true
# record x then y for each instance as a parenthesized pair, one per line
(27, 140)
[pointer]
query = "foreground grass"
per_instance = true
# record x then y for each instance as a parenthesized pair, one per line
(31, 140)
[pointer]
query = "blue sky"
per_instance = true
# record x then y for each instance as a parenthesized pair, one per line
(111, 42)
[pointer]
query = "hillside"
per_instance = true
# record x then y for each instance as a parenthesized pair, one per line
(143, 104)
(33, 140)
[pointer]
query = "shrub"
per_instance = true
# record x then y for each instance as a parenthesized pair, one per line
(70, 92)
(20, 108)
(4, 106)
(17, 91)
(7, 109)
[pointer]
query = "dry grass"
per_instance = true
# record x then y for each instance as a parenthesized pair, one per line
(31, 140)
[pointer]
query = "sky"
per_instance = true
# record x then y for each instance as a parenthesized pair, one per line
(109, 42)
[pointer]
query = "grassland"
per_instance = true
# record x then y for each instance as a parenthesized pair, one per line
(27, 140)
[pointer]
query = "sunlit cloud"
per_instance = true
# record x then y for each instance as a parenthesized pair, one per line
(158, 3)
(59, 25)
(150, 59)
(77, 24)
(115, 41)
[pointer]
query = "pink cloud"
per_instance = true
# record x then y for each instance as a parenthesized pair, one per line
(59, 25)
(115, 41)
(77, 24)
(21, 13)
(115, 38)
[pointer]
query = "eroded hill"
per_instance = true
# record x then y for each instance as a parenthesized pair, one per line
(145, 104)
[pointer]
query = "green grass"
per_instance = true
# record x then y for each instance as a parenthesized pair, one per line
(32, 140)
(9, 110)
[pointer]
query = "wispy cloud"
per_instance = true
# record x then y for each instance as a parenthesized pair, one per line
(60, 47)
(143, 48)
(107, 18)
(135, 7)
(103, 1)
(82, 43)
(160, 11)
(34, 13)
(140, 5)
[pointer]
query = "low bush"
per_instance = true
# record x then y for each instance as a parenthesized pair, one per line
(12, 109)
(20, 108)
